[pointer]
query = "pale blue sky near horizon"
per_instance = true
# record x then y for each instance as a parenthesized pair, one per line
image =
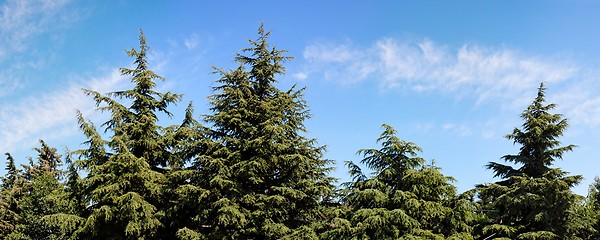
(450, 76)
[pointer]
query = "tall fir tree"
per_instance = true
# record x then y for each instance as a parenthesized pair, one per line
(10, 192)
(259, 176)
(126, 174)
(402, 199)
(36, 192)
(533, 201)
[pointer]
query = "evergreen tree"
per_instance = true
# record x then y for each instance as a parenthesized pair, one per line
(594, 194)
(37, 193)
(533, 201)
(12, 173)
(183, 181)
(10, 192)
(73, 187)
(259, 176)
(70, 218)
(126, 174)
(587, 213)
(538, 139)
(403, 197)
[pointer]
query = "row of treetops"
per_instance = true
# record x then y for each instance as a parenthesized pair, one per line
(246, 170)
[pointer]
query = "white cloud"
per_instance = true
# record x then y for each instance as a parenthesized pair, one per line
(330, 52)
(423, 127)
(340, 61)
(507, 77)
(51, 115)
(23, 25)
(579, 100)
(460, 129)
(191, 42)
(474, 71)
(300, 75)
(21, 20)
(8, 81)
(15, 74)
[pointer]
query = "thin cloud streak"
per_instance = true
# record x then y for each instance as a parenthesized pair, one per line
(579, 100)
(52, 115)
(22, 20)
(22, 23)
(484, 73)
(502, 76)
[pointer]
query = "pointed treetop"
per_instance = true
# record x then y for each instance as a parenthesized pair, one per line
(265, 60)
(141, 62)
(48, 157)
(136, 124)
(395, 153)
(538, 138)
(11, 172)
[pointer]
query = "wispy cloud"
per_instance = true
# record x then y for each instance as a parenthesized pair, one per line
(186, 56)
(460, 129)
(343, 62)
(191, 42)
(471, 70)
(22, 20)
(51, 115)
(22, 24)
(300, 75)
(489, 129)
(507, 77)
(579, 100)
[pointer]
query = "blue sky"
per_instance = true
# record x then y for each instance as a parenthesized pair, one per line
(451, 76)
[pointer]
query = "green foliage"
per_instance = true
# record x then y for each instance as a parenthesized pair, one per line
(125, 181)
(29, 196)
(584, 220)
(402, 199)
(534, 201)
(251, 173)
(10, 193)
(538, 139)
(258, 176)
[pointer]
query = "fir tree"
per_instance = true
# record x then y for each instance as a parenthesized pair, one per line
(260, 177)
(403, 197)
(185, 197)
(38, 192)
(69, 219)
(591, 210)
(533, 201)
(585, 215)
(594, 194)
(125, 181)
(538, 139)
(10, 192)
(12, 173)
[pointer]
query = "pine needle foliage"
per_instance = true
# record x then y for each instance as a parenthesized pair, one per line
(588, 212)
(538, 138)
(247, 170)
(535, 200)
(403, 198)
(10, 193)
(31, 194)
(259, 176)
(126, 174)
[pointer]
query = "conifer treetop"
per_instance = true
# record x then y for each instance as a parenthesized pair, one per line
(266, 61)
(538, 138)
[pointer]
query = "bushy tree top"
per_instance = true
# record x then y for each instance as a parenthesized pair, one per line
(538, 137)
